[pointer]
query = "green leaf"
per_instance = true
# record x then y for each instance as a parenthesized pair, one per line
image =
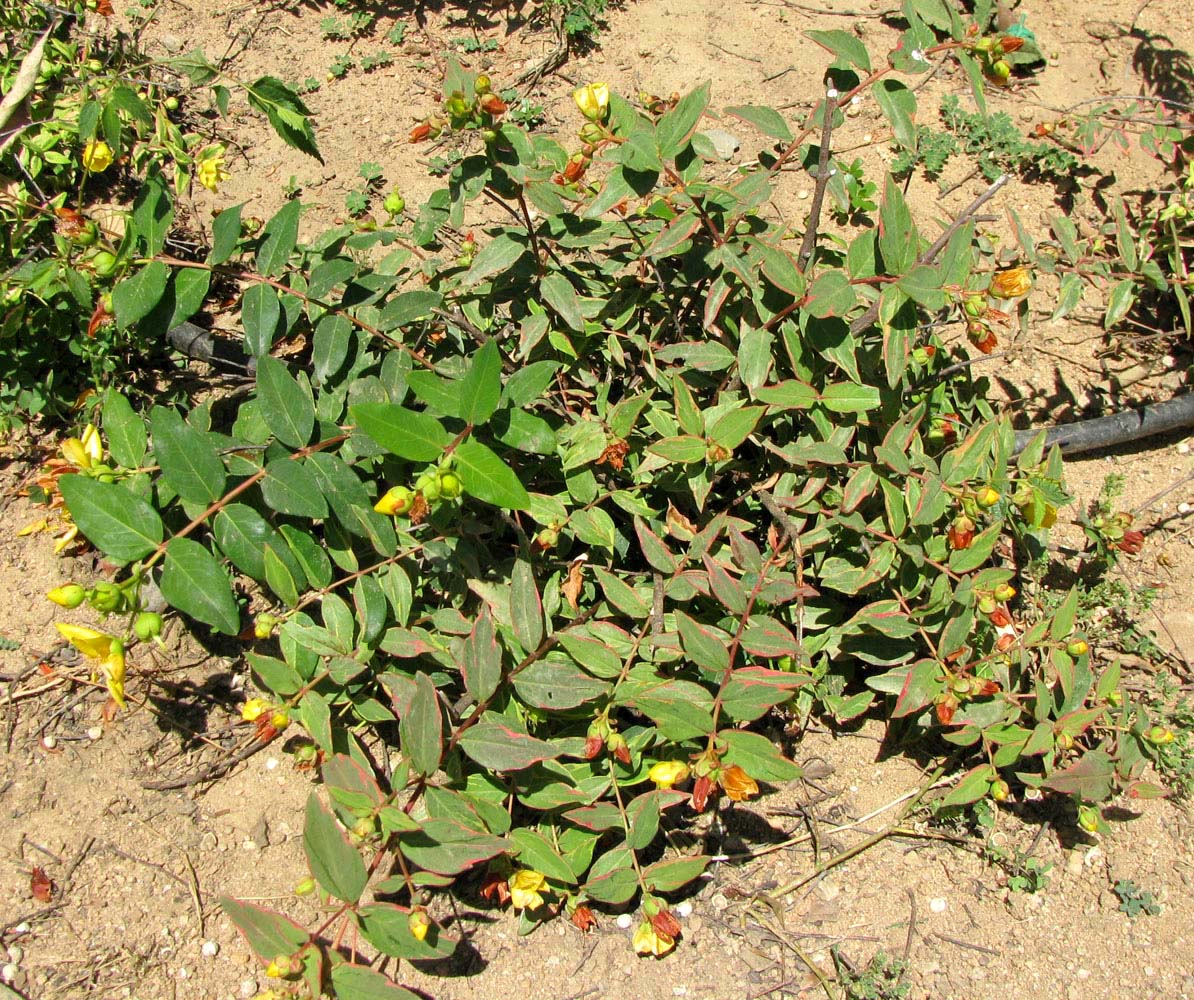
(753, 691)
(242, 533)
(898, 104)
(975, 785)
(421, 727)
(260, 316)
(667, 876)
(407, 307)
(188, 286)
(845, 47)
(153, 211)
(269, 934)
(189, 463)
(847, 397)
(481, 387)
(497, 746)
(899, 242)
(831, 294)
(496, 257)
(557, 292)
(447, 847)
(526, 608)
(1119, 302)
(535, 852)
(334, 862)
(359, 982)
(757, 756)
(329, 346)
(684, 448)
(288, 411)
(704, 646)
(117, 522)
(135, 297)
(279, 576)
(556, 686)
(488, 478)
(195, 584)
(767, 120)
(124, 430)
(289, 487)
(676, 127)
(279, 239)
(409, 434)
(481, 661)
(286, 112)
(387, 927)
(225, 234)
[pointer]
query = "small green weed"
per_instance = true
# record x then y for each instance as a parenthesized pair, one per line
(882, 979)
(1133, 900)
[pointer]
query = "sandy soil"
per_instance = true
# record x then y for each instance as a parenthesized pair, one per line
(137, 871)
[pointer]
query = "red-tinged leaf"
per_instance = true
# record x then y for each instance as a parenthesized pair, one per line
(446, 847)
(269, 934)
(421, 727)
(757, 756)
(925, 681)
(498, 746)
(975, 784)
(1091, 778)
(386, 926)
(1147, 790)
(350, 784)
(770, 639)
(667, 876)
(598, 817)
(405, 644)
(481, 662)
(656, 552)
(725, 588)
(705, 646)
(753, 691)
(362, 983)
(334, 862)
(40, 886)
(526, 607)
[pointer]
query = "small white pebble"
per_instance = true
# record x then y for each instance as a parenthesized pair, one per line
(9, 972)
(938, 905)
(184, 973)
(1183, 448)
(856, 99)
(868, 138)
(248, 988)
(210, 949)
(95, 732)
(624, 921)
(271, 763)
(831, 93)
(49, 742)
(15, 953)
(802, 195)
(1183, 508)
(684, 910)
(21, 928)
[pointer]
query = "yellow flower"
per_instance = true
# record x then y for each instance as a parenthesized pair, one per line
(93, 644)
(254, 709)
(100, 646)
(419, 923)
(86, 451)
(97, 156)
(648, 941)
(1010, 284)
(211, 170)
(738, 785)
(668, 772)
(593, 100)
(526, 887)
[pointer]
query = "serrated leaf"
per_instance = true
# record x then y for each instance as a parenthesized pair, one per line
(118, 523)
(195, 584)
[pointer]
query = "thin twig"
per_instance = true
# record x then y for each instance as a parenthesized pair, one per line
(210, 773)
(808, 244)
(967, 944)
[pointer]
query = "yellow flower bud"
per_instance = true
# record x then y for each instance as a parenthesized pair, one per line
(667, 773)
(648, 941)
(69, 596)
(419, 923)
(593, 100)
(396, 501)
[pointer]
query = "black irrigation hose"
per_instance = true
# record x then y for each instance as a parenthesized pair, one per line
(1085, 435)
(1116, 428)
(195, 342)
